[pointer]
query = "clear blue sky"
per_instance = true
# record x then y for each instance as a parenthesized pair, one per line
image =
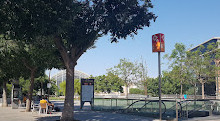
(182, 21)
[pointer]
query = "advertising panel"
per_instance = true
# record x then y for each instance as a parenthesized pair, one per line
(158, 43)
(87, 91)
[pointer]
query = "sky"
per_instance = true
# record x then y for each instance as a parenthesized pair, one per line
(190, 22)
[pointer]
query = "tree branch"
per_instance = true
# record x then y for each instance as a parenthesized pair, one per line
(27, 66)
(80, 51)
(62, 49)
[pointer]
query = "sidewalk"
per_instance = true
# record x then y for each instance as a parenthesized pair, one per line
(8, 114)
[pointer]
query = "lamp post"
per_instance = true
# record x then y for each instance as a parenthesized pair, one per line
(158, 46)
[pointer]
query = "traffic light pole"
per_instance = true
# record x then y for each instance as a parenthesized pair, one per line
(159, 86)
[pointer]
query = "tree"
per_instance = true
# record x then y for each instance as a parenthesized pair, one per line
(100, 83)
(203, 58)
(10, 66)
(142, 74)
(74, 26)
(126, 70)
(108, 83)
(153, 86)
(115, 83)
(37, 57)
(33, 57)
(190, 72)
(217, 63)
(41, 83)
(170, 84)
(178, 58)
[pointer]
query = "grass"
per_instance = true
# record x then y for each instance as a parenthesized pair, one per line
(59, 98)
(56, 98)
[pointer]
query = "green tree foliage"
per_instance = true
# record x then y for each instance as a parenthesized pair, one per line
(100, 84)
(74, 26)
(54, 89)
(27, 60)
(115, 82)
(10, 68)
(25, 84)
(40, 85)
(37, 57)
(153, 86)
(202, 66)
(169, 85)
(109, 83)
(62, 88)
(178, 59)
(126, 70)
(77, 87)
(193, 67)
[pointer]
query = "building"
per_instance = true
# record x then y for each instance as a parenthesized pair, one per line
(212, 88)
(61, 76)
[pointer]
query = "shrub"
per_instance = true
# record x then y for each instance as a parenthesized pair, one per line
(136, 91)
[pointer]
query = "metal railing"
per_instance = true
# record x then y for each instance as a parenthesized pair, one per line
(150, 107)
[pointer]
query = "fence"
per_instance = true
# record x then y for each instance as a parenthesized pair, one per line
(112, 103)
(150, 107)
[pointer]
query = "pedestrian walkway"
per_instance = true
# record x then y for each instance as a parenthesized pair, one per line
(8, 114)
(85, 114)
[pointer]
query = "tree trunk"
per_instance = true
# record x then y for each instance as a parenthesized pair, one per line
(126, 90)
(68, 111)
(145, 90)
(70, 58)
(181, 89)
(194, 91)
(4, 95)
(203, 90)
(30, 92)
(194, 96)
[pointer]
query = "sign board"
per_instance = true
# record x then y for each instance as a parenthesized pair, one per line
(87, 91)
(158, 43)
(15, 97)
(48, 85)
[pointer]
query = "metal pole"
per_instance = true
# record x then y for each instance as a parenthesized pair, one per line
(217, 82)
(176, 109)
(49, 88)
(111, 103)
(159, 86)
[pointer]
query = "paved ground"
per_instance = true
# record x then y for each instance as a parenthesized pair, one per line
(8, 114)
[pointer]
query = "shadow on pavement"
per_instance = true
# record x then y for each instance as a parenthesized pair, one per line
(86, 114)
(48, 118)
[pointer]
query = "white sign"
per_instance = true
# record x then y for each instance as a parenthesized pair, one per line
(48, 85)
(87, 92)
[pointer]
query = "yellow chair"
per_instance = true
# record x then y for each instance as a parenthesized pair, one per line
(44, 107)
